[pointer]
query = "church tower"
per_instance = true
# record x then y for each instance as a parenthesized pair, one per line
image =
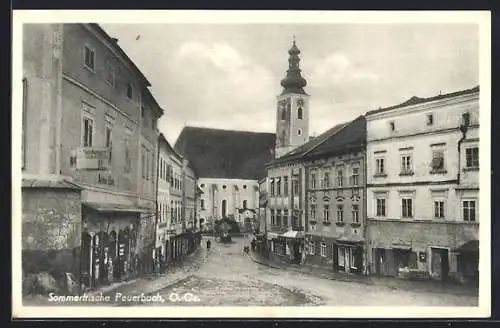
(292, 114)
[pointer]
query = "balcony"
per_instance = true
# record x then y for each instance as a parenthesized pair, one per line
(297, 227)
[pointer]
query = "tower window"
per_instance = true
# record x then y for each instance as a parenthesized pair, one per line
(299, 132)
(300, 113)
(283, 114)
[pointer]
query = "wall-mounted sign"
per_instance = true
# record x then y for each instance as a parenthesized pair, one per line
(86, 158)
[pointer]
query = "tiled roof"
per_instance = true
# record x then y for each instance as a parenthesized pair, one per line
(340, 138)
(352, 136)
(216, 153)
(416, 100)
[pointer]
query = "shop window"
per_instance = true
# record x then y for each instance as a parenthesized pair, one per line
(312, 248)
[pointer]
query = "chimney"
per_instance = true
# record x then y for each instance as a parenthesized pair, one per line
(114, 39)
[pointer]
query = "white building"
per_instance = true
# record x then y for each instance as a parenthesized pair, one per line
(228, 165)
(423, 186)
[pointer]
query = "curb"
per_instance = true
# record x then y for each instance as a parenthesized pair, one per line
(366, 282)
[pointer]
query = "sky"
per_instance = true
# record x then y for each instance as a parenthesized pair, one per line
(228, 76)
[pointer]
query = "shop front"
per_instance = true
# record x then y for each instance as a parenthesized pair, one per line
(109, 243)
(348, 257)
(294, 246)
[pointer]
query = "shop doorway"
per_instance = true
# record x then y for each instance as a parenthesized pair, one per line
(440, 263)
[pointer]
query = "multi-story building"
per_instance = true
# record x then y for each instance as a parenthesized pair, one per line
(228, 165)
(285, 225)
(335, 198)
(89, 144)
(177, 224)
(423, 186)
(177, 212)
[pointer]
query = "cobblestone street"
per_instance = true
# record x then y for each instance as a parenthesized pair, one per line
(225, 275)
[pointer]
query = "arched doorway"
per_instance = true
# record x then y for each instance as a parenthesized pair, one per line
(224, 208)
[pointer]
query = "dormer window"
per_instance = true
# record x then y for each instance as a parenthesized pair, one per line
(430, 119)
(466, 119)
(89, 58)
(129, 91)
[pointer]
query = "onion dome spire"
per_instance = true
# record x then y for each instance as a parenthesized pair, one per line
(293, 82)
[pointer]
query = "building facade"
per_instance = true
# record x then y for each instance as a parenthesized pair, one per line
(423, 187)
(335, 199)
(177, 228)
(286, 223)
(224, 198)
(89, 196)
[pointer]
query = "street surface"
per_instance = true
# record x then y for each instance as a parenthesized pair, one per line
(226, 276)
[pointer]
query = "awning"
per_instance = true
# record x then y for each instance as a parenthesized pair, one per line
(402, 247)
(114, 208)
(272, 235)
(293, 234)
(348, 242)
(470, 246)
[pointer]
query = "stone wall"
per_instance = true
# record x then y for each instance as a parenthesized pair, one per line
(51, 231)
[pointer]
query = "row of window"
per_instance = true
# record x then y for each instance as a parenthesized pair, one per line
(286, 106)
(322, 248)
(430, 121)
(276, 187)
(339, 213)
(280, 218)
(439, 209)
(174, 209)
(224, 187)
(202, 204)
(325, 181)
(110, 74)
(437, 164)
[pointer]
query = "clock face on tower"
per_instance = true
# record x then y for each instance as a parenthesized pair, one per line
(300, 102)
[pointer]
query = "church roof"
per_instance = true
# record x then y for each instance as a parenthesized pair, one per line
(341, 138)
(226, 154)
